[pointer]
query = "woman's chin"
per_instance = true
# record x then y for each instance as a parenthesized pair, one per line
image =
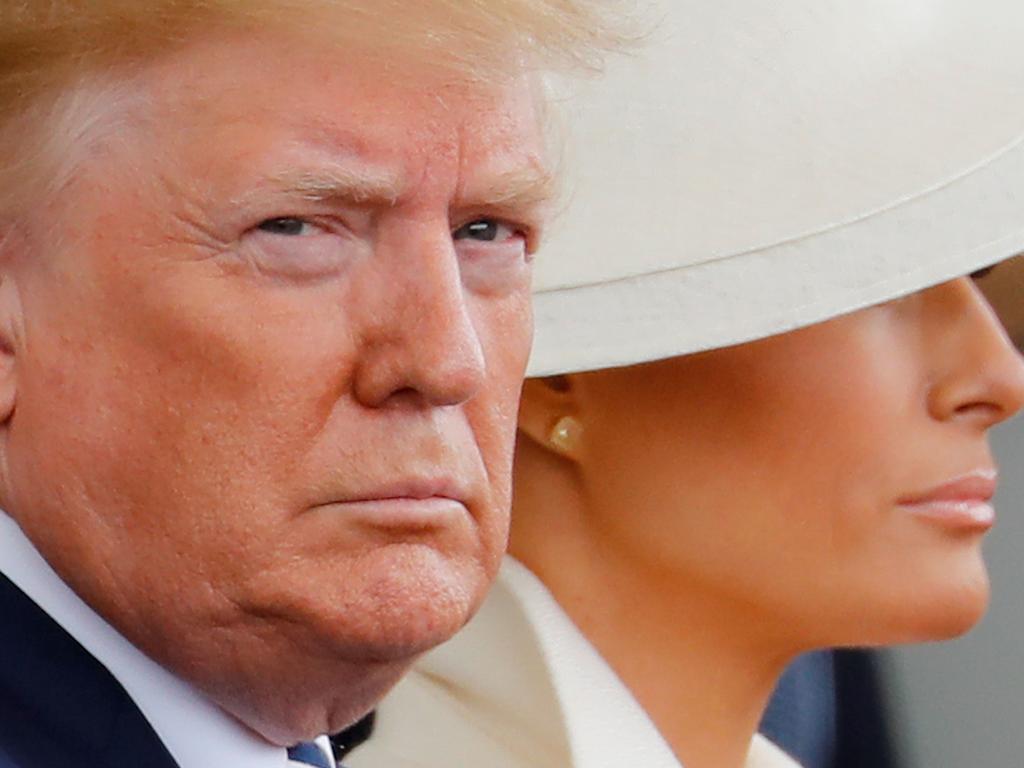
(928, 601)
(959, 597)
(946, 611)
(957, 613)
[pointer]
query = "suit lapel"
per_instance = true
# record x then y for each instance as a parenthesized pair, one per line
(58, 704)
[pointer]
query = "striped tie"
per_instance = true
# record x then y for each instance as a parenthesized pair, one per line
(309, 753)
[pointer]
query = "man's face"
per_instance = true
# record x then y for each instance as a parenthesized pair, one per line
(267, 361)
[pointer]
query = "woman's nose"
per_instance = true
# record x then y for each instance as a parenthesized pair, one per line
(979, 373)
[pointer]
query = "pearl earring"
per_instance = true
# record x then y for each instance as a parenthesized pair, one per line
(565, 435)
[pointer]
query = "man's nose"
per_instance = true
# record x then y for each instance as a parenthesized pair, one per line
(422, 344)
(980, 374)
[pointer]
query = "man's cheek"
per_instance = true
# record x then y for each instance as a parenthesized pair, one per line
(506, 330)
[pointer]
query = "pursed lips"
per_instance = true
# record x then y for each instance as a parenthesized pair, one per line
(417, 502)
(962, 503)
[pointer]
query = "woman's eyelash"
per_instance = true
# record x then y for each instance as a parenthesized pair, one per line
(980, 273)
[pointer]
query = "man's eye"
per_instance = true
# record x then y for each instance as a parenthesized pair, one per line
(286, 226)
(484, 230)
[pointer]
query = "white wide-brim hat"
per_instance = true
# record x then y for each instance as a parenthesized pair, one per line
(754, 167)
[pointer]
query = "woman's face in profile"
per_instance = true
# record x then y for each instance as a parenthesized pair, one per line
(833, 480)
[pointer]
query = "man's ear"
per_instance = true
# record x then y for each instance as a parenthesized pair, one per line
(549, 415)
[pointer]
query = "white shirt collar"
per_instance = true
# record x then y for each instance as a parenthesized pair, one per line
(521, 686)
(196, 732)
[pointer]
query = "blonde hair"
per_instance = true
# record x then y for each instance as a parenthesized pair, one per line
(52, 51)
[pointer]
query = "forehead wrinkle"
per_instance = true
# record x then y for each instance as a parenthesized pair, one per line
(341, 167)
(512, 173)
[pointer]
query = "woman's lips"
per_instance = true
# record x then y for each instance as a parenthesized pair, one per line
(962, 503)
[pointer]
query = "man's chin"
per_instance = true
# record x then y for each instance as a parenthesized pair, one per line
(341, 642)
(402, 603)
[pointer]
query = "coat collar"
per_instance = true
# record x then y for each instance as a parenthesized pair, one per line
(196, 732)
(521, 667)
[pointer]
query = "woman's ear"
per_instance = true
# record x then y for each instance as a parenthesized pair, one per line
(549, 415)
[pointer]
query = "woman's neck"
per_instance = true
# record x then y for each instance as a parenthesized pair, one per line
(695, 662)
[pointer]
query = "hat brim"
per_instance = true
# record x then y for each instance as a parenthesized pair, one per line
(911, 245)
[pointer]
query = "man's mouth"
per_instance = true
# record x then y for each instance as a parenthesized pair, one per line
(413, 503)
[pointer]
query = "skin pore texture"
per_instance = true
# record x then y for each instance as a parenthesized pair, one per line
(720, 513)
(261, 364)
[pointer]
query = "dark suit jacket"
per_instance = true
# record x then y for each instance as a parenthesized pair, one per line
(58, 705)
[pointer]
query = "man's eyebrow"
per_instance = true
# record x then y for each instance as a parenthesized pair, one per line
(523, 188)
(340, 183)
(520, 188)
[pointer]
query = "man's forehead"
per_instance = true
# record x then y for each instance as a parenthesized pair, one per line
(350, 129)
(271, 71)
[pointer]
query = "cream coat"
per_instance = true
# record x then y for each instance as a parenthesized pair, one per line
(521, 687)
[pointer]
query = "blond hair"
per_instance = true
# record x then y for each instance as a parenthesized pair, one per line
(49, 49)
